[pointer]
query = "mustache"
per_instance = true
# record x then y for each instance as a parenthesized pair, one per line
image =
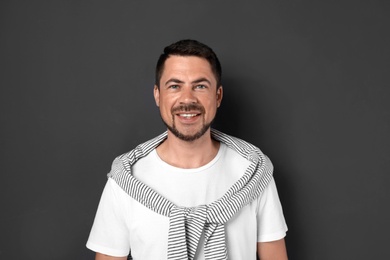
(188, 107)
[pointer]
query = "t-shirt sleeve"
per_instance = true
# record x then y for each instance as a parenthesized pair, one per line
(109, 234)
(271, 224)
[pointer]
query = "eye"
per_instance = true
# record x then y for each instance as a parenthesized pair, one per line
(200, 86)
(174, 86)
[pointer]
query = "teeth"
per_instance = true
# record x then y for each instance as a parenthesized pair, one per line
(187, 115)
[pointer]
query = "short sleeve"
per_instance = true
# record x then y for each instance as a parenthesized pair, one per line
(271, 224)
(109, 234)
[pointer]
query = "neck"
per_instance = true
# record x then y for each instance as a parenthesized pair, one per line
(187, 155)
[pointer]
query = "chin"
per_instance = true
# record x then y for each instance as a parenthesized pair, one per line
(188, 137)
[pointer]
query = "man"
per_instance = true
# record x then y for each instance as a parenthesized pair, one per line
(192, 192)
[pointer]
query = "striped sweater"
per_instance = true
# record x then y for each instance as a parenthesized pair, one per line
(187, 224)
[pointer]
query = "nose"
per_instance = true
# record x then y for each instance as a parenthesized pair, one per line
(188, 96)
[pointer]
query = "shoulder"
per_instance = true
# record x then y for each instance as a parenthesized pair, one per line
(118, 166)
(243, 148)
(124, 162)
(235, 143)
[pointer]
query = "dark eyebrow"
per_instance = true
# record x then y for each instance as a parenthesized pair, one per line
(201, 80)
(178, 81)
(173, 80)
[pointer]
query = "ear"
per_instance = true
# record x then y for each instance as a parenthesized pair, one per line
(156, 93)
(219, 95)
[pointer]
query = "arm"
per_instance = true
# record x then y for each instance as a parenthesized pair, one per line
(107, 257)
(274, 250)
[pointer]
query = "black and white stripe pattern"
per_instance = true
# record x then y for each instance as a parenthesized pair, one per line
(187, 224)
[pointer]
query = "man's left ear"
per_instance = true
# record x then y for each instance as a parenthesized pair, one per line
(156, 94)
(219, 95)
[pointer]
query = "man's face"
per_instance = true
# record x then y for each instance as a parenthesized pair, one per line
(188, 97)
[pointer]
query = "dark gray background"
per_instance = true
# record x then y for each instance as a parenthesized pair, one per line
(306, 81)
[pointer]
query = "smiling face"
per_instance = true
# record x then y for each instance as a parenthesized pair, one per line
(188, 96)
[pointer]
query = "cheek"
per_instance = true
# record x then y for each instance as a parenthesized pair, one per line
(165, 108)
(212, 104)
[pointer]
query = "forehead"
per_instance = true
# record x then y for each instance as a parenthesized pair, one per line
(187, 65)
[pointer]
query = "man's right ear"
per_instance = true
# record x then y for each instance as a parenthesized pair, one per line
(156, 94)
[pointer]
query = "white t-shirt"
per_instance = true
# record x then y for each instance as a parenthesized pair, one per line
(122, 223)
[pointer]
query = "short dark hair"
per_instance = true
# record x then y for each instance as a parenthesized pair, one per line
(189, 48)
